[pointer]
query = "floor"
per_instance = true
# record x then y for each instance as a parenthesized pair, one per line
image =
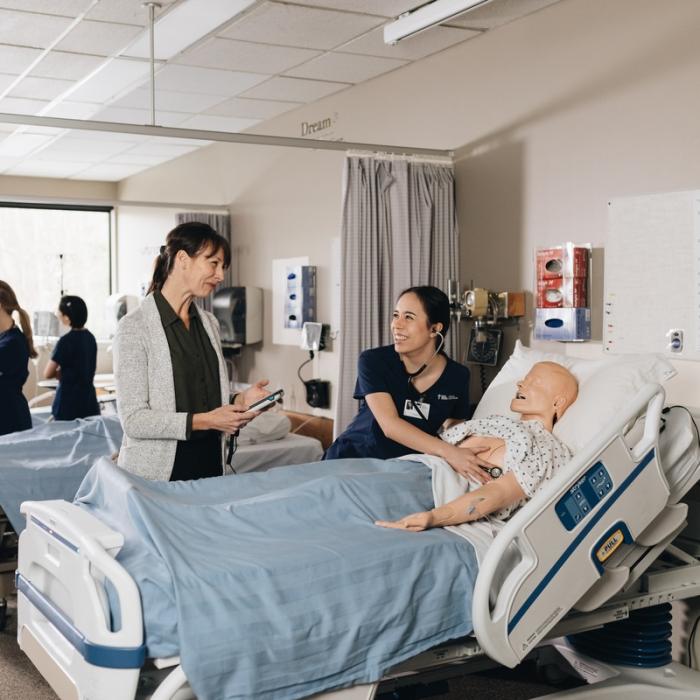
(20, 681)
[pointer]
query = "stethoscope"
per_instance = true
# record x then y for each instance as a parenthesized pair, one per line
(421, 369)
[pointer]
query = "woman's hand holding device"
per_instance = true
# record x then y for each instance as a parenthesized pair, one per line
(227, 419)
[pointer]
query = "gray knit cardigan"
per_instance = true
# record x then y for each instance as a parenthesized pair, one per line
(143, 375)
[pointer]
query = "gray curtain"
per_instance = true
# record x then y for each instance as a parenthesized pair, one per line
(399, 229)
(221, 223)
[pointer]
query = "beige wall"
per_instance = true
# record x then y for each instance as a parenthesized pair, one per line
(51, 189)
(551, 116)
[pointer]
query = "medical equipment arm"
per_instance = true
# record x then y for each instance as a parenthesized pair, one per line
(470, 506)
(464, 461)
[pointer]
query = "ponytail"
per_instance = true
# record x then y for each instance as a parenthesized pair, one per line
(26, 325)
(161, 270)
(8, 301)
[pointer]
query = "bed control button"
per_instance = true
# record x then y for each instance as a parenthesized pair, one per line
(585, 508)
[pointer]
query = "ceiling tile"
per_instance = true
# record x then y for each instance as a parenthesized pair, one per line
(137, 159)
(413, 48)
(206, 80)
(293, 89)
(18, 105)
(16, 59)
(41, 88)
(108, 172)
(291, 25)
(67, 109)
(139, 116)
(348, 68)
(191, 103)
(18, 145)
(98, 38)
(29, 29)
(210, 123)
(67, 8)
(158, 148)
(6, 81)
(35, 168)
(66, 66)
(124, 11)
(499, 12)
(245, 56)
(7, 163)
(385, 8)
(74, 147)
(116, 75)
(251, 109)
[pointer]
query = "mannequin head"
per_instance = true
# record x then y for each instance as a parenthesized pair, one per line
(545, 393)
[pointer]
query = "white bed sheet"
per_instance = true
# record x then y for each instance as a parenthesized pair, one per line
(292, 449)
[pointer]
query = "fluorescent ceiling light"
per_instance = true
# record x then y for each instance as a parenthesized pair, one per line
(186, 23)
(425, 17)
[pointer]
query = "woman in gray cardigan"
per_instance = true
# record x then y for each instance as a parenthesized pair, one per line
(172, 383)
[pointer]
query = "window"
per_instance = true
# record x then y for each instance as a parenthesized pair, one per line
(47, 251)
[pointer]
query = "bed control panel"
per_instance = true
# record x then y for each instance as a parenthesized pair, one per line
(584, 496)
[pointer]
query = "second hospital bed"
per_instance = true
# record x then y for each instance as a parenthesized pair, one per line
(576, 556)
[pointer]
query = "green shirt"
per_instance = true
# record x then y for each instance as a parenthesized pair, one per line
(195, 363)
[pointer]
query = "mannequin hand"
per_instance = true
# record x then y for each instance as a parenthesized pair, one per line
(467, 462)
(413, 523)
(227, 419)
(254, 393)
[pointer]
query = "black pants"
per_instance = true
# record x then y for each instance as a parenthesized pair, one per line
(199, 457)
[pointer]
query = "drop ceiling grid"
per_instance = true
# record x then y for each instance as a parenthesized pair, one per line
(272, 58)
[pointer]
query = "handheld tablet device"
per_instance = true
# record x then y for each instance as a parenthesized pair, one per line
(267, 401)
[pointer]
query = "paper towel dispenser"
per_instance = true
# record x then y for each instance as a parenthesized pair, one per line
(239, 313)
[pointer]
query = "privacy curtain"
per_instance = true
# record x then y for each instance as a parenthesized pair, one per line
(221, 223)
(399, 229)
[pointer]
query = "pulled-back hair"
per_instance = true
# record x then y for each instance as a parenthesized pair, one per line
(193, 237)
(435, 304)
(75, 309)
(8, 301)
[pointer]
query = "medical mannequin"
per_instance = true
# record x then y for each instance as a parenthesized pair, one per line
(542, 396)
(410, 389)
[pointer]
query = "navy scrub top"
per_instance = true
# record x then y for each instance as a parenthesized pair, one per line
(76, 353)
(381, 370)
(14, 361)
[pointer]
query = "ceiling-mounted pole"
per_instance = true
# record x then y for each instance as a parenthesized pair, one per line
(151, 35)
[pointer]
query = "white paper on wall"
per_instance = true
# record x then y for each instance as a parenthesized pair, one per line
(652, 274)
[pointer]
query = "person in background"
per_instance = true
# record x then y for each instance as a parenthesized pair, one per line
(73, 363)
(16, 347)
(411, 389)
(171, 378)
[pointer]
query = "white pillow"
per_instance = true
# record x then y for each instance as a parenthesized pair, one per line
(268, 426)
(605, 387)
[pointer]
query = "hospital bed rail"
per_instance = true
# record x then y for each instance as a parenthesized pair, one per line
(565, 548)
(66, 553)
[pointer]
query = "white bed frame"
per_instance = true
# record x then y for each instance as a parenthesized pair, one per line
(593, 573)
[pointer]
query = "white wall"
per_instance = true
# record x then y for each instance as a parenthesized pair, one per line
(551, 115)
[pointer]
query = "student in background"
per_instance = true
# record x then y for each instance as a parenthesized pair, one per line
(73, 363)
(16, 347)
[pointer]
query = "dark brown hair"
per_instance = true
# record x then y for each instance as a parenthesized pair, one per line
(8, 301)
(193, 237)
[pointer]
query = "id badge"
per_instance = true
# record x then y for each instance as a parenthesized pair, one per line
(416, 409)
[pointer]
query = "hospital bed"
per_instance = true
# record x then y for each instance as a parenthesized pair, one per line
(593, 547)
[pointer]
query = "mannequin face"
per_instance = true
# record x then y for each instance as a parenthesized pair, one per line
(410, 326)
(545, 393)
(203, 272)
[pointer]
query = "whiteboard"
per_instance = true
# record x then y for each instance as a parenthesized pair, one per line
(652, 274)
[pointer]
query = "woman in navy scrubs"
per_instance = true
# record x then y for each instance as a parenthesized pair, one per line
(408, 390)
(73, 363)
(16, 347)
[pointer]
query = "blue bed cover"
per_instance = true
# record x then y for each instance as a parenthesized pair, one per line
(278, 584)
(49, 461)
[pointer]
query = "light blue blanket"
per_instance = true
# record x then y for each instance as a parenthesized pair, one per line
(278, 584)
(51, 460)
